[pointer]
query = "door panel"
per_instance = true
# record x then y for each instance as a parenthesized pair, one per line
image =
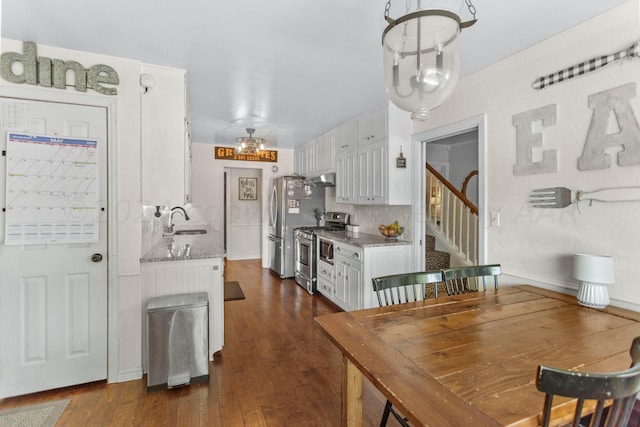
(53, 298)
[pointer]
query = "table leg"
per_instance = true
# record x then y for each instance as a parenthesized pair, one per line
(351, 394)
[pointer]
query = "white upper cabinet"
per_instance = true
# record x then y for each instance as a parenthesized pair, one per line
(165, 136)
(316, 157)
(372, 127)
(376, 140)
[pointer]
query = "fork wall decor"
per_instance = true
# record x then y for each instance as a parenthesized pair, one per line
(561, 197)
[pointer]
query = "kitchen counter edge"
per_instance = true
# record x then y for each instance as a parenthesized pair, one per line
(203, 246)
(363, 240)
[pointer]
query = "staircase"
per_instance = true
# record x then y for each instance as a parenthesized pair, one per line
(436, 260)
(451, 218)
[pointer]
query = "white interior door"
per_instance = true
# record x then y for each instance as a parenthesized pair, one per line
(53, 296)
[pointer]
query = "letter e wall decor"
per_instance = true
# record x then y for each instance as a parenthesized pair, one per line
(526, 140)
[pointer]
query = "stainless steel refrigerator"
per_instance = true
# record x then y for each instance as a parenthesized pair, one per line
(291, 205)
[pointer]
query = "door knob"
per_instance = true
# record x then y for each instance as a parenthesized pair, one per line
(96, 257)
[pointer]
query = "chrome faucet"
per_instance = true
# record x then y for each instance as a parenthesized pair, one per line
(170, 224)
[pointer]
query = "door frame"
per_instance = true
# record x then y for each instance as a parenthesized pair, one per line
(110, 104)
(418, 144)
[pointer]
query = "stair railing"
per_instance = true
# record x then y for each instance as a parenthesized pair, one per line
(452, 215)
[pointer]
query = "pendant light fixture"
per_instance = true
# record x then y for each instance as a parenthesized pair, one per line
(250, 144)
(420, 54)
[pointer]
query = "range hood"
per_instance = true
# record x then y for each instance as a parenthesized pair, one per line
(326, 180)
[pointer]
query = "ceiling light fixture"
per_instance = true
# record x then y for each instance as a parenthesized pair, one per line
(420, 55)
(250, 144)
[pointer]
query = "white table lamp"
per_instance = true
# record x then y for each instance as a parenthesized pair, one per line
(594, 272)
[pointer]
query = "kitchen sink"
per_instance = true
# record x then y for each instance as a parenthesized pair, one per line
(188, 232)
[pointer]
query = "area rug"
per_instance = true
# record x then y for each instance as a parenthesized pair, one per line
(40, 415)
(232, 291)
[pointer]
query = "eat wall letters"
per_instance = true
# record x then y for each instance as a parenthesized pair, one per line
(612, 103)
(49, 72)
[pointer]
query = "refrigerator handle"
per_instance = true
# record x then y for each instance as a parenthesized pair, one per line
(273, 208)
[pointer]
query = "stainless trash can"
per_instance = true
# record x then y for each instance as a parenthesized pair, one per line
(178, 340)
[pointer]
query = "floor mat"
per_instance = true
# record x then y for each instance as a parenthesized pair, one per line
(232, 291)
(39, 415)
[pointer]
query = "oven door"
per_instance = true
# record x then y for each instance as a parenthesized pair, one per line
(304, 256)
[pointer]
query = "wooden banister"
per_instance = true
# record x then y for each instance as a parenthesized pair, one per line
(466, 182)
(473, 208)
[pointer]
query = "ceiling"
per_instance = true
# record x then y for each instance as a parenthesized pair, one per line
(292, 69)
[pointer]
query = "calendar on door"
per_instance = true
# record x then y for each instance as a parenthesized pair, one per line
(51, 189)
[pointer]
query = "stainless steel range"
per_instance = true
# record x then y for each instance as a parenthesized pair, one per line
(305, 248)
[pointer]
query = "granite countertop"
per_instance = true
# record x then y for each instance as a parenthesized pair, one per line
(362, 239)
(186, 247)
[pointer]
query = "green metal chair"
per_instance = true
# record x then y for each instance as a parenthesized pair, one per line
(405, 287)
(621, 388)
(466, 279)
(399, 289)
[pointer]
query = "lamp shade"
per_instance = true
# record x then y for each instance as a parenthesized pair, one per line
(421, 61)
(593, 268)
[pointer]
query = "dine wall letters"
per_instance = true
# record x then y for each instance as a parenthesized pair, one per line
(49, 72)
(612, 103)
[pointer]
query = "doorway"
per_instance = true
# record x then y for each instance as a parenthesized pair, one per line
(243, 213)
(473, 128)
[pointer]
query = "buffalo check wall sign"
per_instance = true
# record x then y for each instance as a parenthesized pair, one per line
(585, 67)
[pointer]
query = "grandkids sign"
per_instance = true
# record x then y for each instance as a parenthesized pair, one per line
(27, 67)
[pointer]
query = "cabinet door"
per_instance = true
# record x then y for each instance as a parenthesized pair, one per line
(345, 136)
(346, 178)
(354, 287)
(342, 281)
(372, 127)
(372, 173)
(325, 161)
(299, 164)
(163, 125)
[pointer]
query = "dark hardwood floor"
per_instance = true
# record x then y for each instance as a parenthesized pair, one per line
(276, 369)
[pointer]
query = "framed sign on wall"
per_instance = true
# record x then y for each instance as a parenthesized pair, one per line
(248, 188)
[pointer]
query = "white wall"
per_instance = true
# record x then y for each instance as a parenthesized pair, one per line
(207, 188)
(536, 245)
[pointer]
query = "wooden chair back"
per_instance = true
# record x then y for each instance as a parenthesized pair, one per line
(618, 388)
(405, 287)
(466, 279)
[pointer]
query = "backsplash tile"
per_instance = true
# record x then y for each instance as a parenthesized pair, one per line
(370, 217)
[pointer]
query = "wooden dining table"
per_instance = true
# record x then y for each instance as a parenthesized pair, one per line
(471, 359)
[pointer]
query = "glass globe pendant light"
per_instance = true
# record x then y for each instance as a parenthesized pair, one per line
(420, 55)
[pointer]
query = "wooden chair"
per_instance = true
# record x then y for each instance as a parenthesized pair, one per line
(621, 388)
(398, 289)
(459, 279)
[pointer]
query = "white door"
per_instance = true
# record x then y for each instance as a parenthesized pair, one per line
(53, 296)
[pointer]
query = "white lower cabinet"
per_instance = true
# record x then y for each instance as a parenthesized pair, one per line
(348, 276)
(178, 277)
(355, 266)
